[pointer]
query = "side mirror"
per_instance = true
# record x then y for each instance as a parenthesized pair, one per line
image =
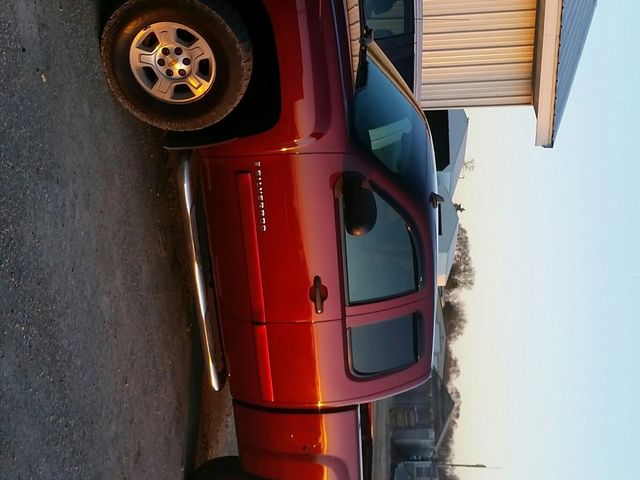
(360, 211)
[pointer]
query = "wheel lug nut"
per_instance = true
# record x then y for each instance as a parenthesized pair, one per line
(166, 51)
(169, 72)
(178, 51)
(161, 62)
(186, 61)
(182, 72)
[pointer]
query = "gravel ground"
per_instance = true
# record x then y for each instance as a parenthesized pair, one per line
(99, 371)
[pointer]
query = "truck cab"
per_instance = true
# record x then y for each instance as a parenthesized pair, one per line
(315, 246)
(323, 257)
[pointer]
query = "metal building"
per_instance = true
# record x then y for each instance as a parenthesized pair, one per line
(416, 470)
(420, 418)
(503, 52)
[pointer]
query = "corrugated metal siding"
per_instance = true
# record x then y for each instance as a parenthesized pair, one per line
(576, 20)
(477, 52)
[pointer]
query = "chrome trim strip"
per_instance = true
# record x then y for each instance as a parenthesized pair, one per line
(217, 379)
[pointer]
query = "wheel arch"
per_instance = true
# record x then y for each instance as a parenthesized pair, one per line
(260, 108)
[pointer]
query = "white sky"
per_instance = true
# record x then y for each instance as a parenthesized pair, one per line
(550, 377)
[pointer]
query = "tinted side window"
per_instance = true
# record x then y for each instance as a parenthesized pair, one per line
(388, 18)
(382, 263)
(386, 346)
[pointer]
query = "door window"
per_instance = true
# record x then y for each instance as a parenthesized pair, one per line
(383, 262)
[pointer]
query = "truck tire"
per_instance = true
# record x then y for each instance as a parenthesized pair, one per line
(223, 468)
(177, 64)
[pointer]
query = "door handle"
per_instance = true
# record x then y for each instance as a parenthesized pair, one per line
(318, 293)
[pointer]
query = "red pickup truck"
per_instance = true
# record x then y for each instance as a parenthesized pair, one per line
(314, 236)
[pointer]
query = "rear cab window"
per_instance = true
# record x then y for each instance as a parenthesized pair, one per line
(389, 18)
(386, 346)
(393, 24)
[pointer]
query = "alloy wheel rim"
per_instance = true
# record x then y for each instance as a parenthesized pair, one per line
(172, 62)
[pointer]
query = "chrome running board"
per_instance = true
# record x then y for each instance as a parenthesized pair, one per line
(216, 377)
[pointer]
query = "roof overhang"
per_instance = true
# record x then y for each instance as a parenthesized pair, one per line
(545, 77)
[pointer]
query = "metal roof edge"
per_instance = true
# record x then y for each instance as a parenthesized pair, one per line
(546, 74)
(573, 36)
